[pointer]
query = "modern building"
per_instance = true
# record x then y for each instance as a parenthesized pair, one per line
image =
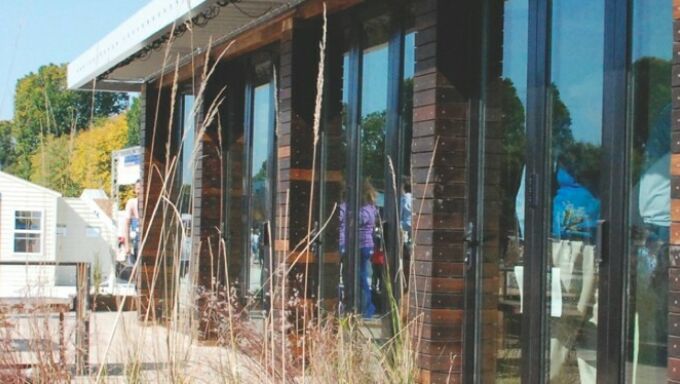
(537, 139)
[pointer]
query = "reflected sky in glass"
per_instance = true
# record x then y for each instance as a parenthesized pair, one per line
(409, 55)
(261, 123)
(188, 144)
(652, 38)
(374, 82)
(515, 45)
(580, 86)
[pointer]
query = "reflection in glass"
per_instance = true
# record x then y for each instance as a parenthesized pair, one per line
(404, 165)
(373, 166)
(649, 201)
(187, 162)
(333, 206)
(575, 118)
(356, 231)
(259, 186)
(506, 54)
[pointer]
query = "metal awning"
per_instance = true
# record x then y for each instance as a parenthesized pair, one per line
(135, 51)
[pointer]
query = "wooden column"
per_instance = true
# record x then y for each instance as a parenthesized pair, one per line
(209, 175)
(154, 272)
(442, 92)
(298, 65)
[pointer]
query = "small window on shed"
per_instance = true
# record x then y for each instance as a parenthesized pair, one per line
(28, 231)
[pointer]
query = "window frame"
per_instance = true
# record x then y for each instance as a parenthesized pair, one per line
(40, 232)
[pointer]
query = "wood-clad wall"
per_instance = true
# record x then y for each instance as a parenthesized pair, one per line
(154, 271)
(208, 180)
(440, 119)
(298, 65)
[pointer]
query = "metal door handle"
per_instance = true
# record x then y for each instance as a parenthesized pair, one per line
(600, 241)
(471, 243)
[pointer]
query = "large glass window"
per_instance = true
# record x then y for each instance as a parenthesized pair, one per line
(365, 152)
(186, 173)
(260, 189)
(650, 192)
(403, 180)
(506, 54)
(371, 187)
(28, 231)
(567, 233)
(259, 177)
(575, 124)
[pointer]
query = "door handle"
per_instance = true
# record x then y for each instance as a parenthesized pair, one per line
(600, 241)
(471, 244)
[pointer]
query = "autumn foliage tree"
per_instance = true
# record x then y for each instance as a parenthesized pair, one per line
(69, 163)
(90, 164)
(43, 106)
(50, 165)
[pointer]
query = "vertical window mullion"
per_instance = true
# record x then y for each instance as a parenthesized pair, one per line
(247, 202)
(537, 196)
(614, 209)
(354, 166)
(395, 74)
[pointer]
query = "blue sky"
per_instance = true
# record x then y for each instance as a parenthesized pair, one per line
(38, 32)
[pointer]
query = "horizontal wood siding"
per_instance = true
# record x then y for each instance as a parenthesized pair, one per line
(155, 269)
(439, 152)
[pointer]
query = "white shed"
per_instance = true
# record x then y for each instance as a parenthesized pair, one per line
(39, 225)
(27, 233)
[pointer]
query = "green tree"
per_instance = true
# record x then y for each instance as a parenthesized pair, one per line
(652, 93)
(6, 144)
(43, 105)
(50, 165)
(134, 122)
(373, 147)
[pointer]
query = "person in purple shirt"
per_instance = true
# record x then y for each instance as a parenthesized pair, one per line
(368, 214)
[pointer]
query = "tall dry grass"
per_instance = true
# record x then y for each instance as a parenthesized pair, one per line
(252, 344)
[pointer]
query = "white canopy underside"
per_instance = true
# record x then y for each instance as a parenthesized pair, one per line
(151, 23)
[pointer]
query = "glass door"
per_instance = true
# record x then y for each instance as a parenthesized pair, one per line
(185, 173)
(575, 184)
(501, 183)
(541, 187)
(363, 163)
(648, 201)
(572, 157)
(259, 182)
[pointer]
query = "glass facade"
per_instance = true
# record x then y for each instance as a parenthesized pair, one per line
(186, 137)
(567, 190)
(574, 118)
(535, 116)
(649, 203)
(186, 167)
(503, 256)
(260, 173)
(363, 164)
